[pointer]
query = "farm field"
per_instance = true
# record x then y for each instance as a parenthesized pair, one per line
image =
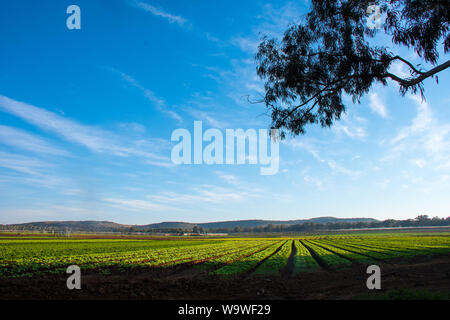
(25, 260)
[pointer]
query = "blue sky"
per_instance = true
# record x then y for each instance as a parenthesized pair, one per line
(86, 118)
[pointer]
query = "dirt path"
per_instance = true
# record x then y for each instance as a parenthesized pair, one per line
(249, 272)
(336, 253)
(316, 257)
(354, 251)
(288, 271)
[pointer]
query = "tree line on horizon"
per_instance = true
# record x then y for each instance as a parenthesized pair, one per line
(419, 221)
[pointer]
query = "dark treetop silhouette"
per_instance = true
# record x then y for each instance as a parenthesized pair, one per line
(329, 54)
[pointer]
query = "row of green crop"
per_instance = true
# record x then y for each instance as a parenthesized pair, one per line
(27, 257)
(15, 249)
(365, 249)
(369, 252)
(329, 258)
(303, 261)
(124, 259)
(247, 263)
(238, 254)
(401, 246)
(276, 263)
(348, 253)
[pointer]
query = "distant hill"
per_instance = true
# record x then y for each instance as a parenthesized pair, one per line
(263, 223)
(169, 225)
(100, 226)
(107, 226)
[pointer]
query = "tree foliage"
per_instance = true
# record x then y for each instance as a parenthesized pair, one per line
(329, 54)
(420, 221)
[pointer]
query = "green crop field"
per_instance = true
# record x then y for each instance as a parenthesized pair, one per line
(29, 256)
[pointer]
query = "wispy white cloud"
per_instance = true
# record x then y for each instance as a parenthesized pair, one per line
(228, 178)
(399, 69)
(29, 171)
(181, 201)
(21, 139)
(133, 127)
(331, 163)
(356, 133)
(377, 105)
(338, 168)
(214, 194)
(420, 163)
(352, 126)
(179, 20)
(214, 39)
(163, 164)
(149, 95)
(426, 135)
(204, 194)
(160, 13)
(48, 212)
(36, 178)
(135, 205)
(208, 118)
(241, 81)
(21, 163)
(93, 138)
(318, 183)
(241, 84)
(72, 192)
(273, 21)
(422, 122)
(247, 44)
(298, 144)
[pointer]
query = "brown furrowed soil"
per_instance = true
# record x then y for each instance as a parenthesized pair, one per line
(190, 282)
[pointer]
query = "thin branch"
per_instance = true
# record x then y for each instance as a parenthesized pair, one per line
(412, 82)
(309, 110)
(408, 63)
(317, 95)
(254, 101)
